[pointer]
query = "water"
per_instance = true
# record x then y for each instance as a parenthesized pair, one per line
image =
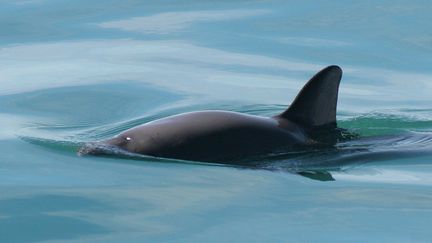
(74, 71)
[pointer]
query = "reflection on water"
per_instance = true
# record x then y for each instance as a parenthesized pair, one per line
(77, 71)
(90, 104)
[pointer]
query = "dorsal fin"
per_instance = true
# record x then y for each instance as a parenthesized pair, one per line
(316, 103)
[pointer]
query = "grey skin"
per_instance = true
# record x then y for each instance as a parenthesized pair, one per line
(223, 136)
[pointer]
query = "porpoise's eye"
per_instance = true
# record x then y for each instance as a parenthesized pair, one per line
(128, 138)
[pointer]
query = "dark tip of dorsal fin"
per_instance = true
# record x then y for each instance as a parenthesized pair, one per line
(316, 103)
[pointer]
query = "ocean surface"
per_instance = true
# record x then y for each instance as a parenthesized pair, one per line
(78, 71)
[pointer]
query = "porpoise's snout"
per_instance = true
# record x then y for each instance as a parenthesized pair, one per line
(107, 147)
(93, 148)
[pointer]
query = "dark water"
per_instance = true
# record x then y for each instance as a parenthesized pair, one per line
(72, 72)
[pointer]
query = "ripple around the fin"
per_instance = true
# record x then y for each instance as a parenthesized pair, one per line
(387, 122)
(356, 152)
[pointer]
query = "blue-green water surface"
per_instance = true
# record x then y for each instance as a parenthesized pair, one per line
(77, 71)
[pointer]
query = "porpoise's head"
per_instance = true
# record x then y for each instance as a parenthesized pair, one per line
(124, 142)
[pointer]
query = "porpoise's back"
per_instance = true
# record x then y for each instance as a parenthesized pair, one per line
(215, 136)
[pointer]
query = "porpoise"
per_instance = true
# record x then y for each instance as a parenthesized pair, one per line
(226, 136)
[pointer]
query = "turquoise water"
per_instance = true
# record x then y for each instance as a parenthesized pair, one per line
(74, 71)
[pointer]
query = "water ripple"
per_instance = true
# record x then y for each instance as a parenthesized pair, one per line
(383, 137)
